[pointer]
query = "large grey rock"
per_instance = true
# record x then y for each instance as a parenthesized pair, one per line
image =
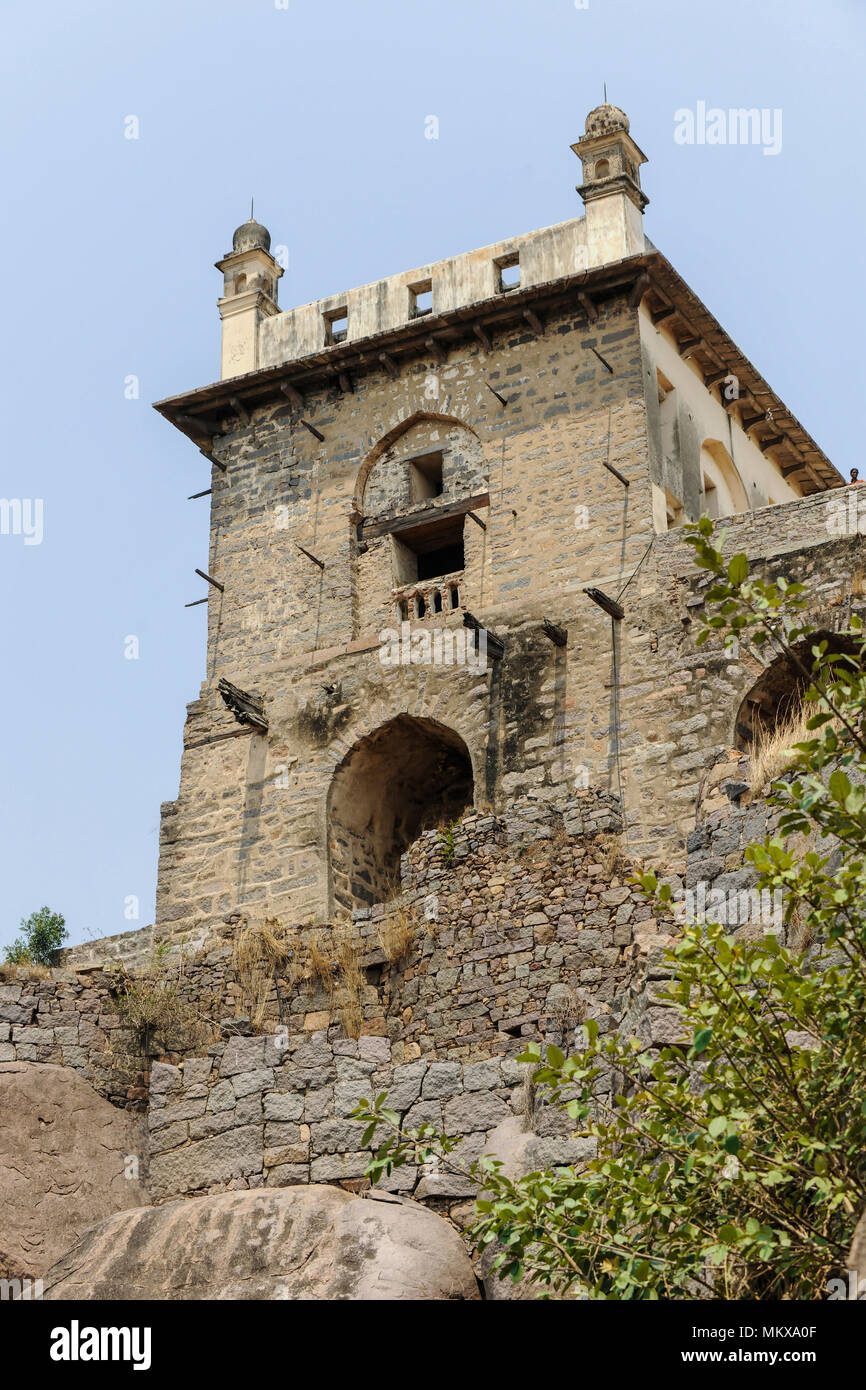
(520, 1152)
(64, 1154)
(306, 1243)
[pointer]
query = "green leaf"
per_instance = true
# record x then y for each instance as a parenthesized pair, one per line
(738, 569)
(703, 1038)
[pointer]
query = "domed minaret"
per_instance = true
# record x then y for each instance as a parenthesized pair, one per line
(250, 276)
(611, 186)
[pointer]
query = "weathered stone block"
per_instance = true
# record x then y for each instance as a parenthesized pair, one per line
(180, 1110)
(334, 1167)
(243, 1054)
(234, 1154)
(482, 1076)
(222, 1097)
(443, 1079)
(475, 1111)
(249, 1082)
(169, 1137)
(284, 1105)
(164, 1078)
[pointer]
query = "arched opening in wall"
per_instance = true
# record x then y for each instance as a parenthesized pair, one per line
(408, 776)
(240, 283)
(722, 491)
(602, 168)
(775, 703)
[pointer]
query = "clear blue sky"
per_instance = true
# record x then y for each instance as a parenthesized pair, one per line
(319, 110)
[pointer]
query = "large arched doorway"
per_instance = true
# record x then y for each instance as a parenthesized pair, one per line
(407, 776)
(777, 695)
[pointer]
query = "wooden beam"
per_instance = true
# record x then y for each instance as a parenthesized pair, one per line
(436, 348)
(501, 399)
(665, 313)
(749, 422)
(211, 580)
(368, 529)
(193, 495)
(587, 305)
(212, 458)
(495, 645)
(240, 409)
(770, 442)
(307, 426)
(558, 635)
(603, 360)
(616, 473)
(309, 556)
(638, 290)
(200, 424)
(389, 364)
(684, 344)
(478, 521)
(482, 336)
(295, 396)
(604, 601)
(345, 383)
(534, 321)
(712, 378)
(247, 709)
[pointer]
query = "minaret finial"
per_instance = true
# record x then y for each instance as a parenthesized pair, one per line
(252, 205)
(605, 94)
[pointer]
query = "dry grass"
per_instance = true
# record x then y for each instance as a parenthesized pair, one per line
(260, 950)
(348, 981)
(396, 931)
(330, 964)
(23, 971)
(335, 966)
(567, 1010)
(158, 1016)
(320, 963)
(770, 754)
(614, 859)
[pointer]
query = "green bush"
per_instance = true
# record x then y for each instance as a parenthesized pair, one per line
(733, 1165)
(44, 933)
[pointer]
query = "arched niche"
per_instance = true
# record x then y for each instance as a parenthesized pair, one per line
(722, 490)
(777, 694)
(427, 457)
(408, 775)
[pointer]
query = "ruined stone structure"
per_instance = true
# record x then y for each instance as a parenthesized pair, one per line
(484, 441)
(452, 680)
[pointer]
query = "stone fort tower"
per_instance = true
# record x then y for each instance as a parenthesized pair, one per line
(445, 565)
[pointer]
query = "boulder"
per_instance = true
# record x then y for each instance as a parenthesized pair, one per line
(64, 1156)
(523, 1151)
(305, 1242)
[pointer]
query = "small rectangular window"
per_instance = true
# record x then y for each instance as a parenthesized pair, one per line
(429, 551)
(421, 299)
(508, 268)
(336, 325)
(425, 477)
